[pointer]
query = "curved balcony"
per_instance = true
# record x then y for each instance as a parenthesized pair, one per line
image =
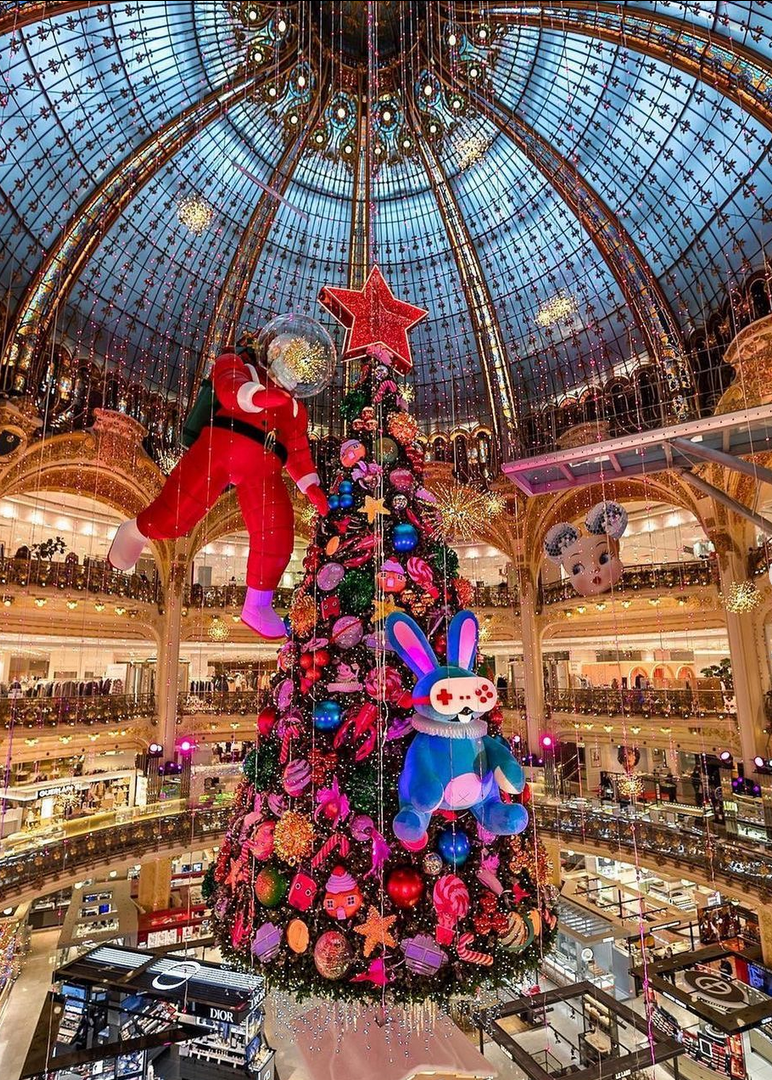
(227, 596)
(603, 701)
(48, 863)
(660, 577)
(728, 864)
(57, 712)
(92, 576)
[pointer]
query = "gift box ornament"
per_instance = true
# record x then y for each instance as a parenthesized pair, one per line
(267, 942)
(423, 955)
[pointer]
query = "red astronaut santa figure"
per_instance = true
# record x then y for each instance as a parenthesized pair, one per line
(255, 428)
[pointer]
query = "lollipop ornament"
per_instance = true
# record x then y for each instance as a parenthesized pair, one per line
(451, 901)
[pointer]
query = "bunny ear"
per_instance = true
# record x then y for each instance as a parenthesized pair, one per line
(462, 640)
(409, 642)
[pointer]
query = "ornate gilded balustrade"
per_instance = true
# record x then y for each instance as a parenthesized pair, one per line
(741, 866)
(36, 868)
(227, 596)
(57, 712)
(735, 866)
(651, 578)
(92, 575)
(226, 703)
(603, 701)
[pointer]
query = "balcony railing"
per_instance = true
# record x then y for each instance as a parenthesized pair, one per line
(658, 577)
(748, 870)
(603, 701)
(92, 575)
(226, 702)
(727, 862)
(56, 712)
(52, 860)
(227, 596)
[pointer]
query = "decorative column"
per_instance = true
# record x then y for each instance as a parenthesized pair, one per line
(167, 672)
(750, 670)
(155, 884)
(532, 661)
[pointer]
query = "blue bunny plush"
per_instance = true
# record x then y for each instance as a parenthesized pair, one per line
(452, 763)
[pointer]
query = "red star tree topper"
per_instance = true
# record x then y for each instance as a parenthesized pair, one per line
(373, 317)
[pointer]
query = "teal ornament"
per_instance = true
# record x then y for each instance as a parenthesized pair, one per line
(405, 537)
(454, 847)
(327, 716)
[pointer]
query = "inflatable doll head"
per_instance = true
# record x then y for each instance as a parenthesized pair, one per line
(590, 560)
(452, 692)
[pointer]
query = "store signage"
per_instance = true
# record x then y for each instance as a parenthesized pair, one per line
(715, 989)
(176, 975)
(53, 792)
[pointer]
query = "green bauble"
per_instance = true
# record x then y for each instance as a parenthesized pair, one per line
(248, 765)
(271, 886)
(356, 591)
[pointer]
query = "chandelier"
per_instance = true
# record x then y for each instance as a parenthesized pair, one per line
(554, 310)
(741, 597)
(630, 786)
(218, 629)
(462, 513)
(195, 213)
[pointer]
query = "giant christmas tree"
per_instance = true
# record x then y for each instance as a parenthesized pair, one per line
(312, 885)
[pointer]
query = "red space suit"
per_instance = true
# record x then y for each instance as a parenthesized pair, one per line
(257, 429)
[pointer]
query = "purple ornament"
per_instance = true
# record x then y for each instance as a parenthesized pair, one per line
(283, 694)
(423, 955)
(330, 576)
(267, 942)
(362, 827)
(347, 631)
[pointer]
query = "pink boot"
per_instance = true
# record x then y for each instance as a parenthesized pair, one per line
(259, 616)
(127, 546)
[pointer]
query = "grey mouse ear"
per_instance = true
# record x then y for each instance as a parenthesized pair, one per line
(558, 539)
(609, 518)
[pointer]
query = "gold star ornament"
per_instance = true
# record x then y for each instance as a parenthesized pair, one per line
(374, 507)
(384, 608)
(375, 930)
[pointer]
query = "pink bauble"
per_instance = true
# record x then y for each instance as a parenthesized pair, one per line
(297, 776)
(347, 631)
(401, 479)
(330, 576)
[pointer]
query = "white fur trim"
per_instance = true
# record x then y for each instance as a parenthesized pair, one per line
(294, 407)
(450, 729)
(253, 372)
(245, 395)
(305, 482)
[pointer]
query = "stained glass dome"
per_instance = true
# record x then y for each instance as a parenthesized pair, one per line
(570, 189)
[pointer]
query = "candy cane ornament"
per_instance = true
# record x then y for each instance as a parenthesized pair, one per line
(335, 842)
(473, 956)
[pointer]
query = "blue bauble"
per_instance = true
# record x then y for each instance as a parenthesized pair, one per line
(454, 847)
(334, 502)
(327, 715)
(345, 487)
(346, 502)
(405, 537)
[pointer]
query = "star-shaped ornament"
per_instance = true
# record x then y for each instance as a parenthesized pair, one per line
(375, 930)
(374, 320)
(373, 508)
(518, 893)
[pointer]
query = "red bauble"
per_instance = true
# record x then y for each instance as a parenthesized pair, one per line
(321, 658)
(440, 644)
(266, 718)
(307, 661)
(405, 886)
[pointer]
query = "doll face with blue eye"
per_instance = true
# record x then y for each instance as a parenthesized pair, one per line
(593, 564)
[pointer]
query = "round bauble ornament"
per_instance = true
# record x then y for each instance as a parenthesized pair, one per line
(334, 502)
(296, 777)
(347, 631)
(271, 886)
(453, 845)
(297, 353)
(345, 487)
(333, 955)
(399, 502)
(440, 644)
(351, 452)
(297, 935)
(346, 502)
(261, 844)
(386, 451)
(433, 863)
(332, 545)
(266, 719)
(405, 886)
(404, 537)
(402, 480)
(330, 576)
(327, 716)
(403, 427)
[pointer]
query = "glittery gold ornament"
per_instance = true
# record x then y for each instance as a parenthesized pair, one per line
(293, 837)
(403, 427)
(306, 359)
(302, 615)
(463, 513)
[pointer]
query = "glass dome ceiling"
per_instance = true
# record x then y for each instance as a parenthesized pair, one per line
(552, 181)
